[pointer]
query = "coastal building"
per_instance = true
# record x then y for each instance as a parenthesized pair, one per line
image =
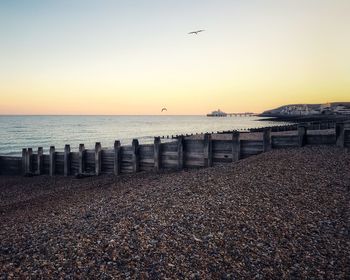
(341, 110)
(335, 108)
(299, 110)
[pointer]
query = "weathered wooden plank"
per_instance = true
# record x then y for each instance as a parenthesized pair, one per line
(146, 157)
(59, 163)
(189, 163)
(24, 161)
(222, 145)
(29, 161)
(171, 156)
(276, 143)
(107, 161)
(170, 164)
(11, 158)
(267, 145)
(126, 167)
(252, 143)
(81, 158)
(251, 150)
(195, 157)
(147, 161)
(39, 169)
(207, 151)
(10, 169)
(193, 146)
(127, 149)
(222, 155)
(89, 161)
(286, 139)
(74, 167)
(169, 147)
(221, 160)
(67, 161)
(329, 139)
(126, 157)
(302, 133)
(46, 163)
(98, 161)
(10, 165)
(52, 161)
(347, 139)
(157, 154)
(135, 156)
(180, 152)
(347, 135)
(147, 167)
(146, 151)
(340, 135)
(250, 147)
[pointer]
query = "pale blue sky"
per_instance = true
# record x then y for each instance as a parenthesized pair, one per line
(271, 51)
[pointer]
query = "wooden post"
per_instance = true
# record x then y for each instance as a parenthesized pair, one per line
(29, 161)
(98, 163)
(302, 134)
(52, 161)
(40, 161)
(236, 146)
(66, 163)
(24, 160)
(208, 154)
(157, 159)
(340, 134)
(135, 156)
(81, 158)
(117, 157)
(180, 152)
(267, 140)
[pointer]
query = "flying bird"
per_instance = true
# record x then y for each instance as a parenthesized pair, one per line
(196, 32)
(164, 109)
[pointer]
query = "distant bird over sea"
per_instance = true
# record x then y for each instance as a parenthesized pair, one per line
(196, 32)
(164, 109)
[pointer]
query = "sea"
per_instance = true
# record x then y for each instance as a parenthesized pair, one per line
(17, 132)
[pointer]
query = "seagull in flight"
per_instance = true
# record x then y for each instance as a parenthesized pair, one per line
(164, 109)
(196, 32)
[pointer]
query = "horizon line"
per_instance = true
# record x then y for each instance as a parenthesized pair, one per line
(68, 115)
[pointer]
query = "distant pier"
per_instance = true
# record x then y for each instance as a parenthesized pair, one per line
(220, 113)
(246, 114)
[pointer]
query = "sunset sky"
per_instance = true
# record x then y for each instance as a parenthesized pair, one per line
(135, 57)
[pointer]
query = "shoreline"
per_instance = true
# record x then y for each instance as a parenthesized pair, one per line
(280, 214)
(300, 119)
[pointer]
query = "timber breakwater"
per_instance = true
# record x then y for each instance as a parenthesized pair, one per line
(278, 215)
(185, 152)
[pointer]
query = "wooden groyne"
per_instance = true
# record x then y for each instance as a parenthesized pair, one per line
(312, 125)
(184, 152)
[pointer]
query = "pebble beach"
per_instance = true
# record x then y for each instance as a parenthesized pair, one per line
(284, 214)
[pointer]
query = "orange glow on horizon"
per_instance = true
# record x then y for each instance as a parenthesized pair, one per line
(252, 57)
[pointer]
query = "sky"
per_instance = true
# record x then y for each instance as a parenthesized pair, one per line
(135, 57)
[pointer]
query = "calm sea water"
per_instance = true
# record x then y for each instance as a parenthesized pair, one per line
(19, 132)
